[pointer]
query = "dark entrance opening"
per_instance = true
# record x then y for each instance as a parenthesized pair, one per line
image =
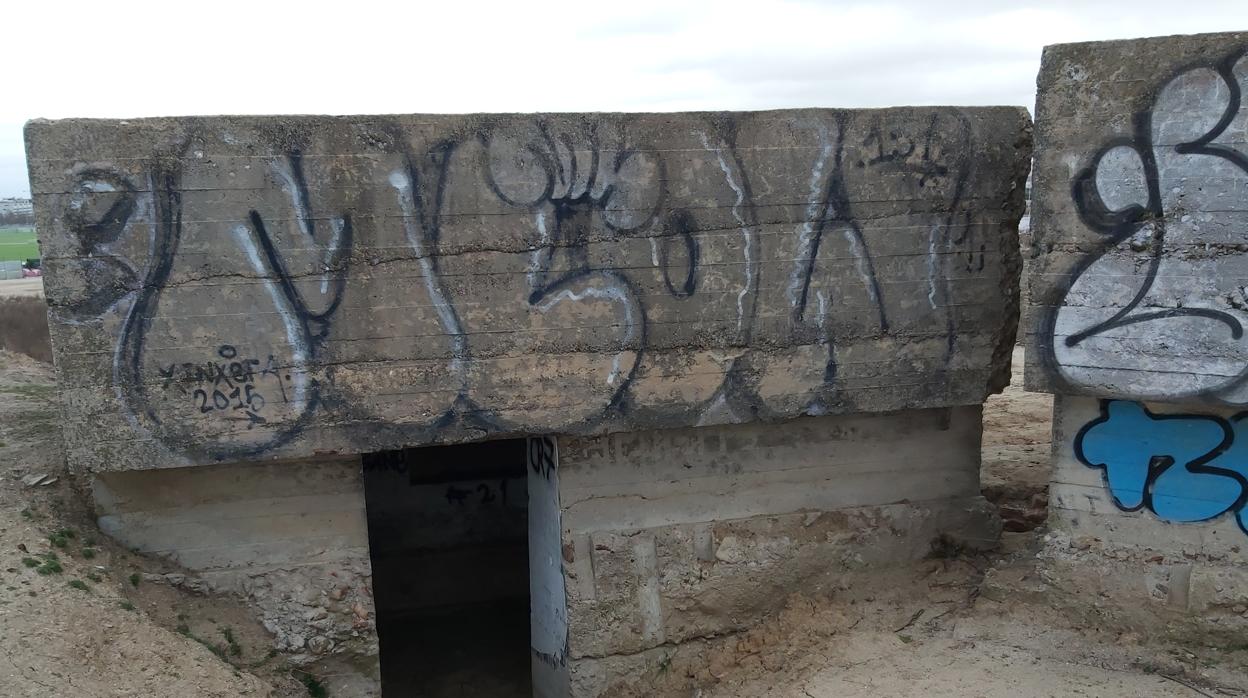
(448, 537)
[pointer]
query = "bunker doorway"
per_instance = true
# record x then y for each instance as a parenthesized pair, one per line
(448, 530)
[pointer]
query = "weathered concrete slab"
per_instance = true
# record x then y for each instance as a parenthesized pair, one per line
(291, 538)
(234, 288)
(1140, 221)
(681, 536)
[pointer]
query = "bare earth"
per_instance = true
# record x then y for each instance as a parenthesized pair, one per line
(21, 288)
(1003, 624)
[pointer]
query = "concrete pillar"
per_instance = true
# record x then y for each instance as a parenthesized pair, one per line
(1136, 294)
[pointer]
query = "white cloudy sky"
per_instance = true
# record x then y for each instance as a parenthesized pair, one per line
(129, 58)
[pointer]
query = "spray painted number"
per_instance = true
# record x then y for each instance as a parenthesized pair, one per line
(247, 398)
(484, 494)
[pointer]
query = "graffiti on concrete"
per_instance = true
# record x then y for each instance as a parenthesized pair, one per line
(1181, 467)
(1156, 309)
(255, 295)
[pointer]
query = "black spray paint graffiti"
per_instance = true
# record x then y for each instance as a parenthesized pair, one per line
(229, 387)
(1181, 467)
(1144, 309)
(574, 185)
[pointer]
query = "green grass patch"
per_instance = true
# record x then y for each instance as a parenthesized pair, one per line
(79, 585)
(50, 567)
(18, 244)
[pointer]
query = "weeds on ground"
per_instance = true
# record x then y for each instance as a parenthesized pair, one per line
(61, 538)
(236, 650)
(135, 578)
(79, 585)
(51, 564)
(126, 606)
(316, 689)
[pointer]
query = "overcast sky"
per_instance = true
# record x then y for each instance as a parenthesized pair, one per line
(175, 57)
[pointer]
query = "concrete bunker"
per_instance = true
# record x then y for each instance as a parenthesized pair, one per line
(762, 340)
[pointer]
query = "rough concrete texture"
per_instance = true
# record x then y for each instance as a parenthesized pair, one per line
(1139, 216)
(290, 537)
(677, 536)
(1150, 475)
(1136, 293)
(235, 288)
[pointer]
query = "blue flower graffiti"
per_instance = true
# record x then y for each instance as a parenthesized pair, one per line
(1182, 467)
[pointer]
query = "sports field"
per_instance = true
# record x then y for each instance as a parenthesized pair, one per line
(18, 243)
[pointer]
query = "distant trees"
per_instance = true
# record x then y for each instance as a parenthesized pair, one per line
(17, 218)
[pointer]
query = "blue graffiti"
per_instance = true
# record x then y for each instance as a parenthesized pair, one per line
(1182, 467)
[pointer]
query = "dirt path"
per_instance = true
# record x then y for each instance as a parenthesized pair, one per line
(21, 288)
(1017, 435)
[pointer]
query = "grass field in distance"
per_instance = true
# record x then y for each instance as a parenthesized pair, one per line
(18, 244)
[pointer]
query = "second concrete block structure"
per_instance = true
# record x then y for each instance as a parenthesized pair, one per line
(711, 358)
(1138, 292)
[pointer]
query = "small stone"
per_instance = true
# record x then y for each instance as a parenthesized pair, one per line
(34, 479)
(175, 579)
(320, 644)
(730, 551)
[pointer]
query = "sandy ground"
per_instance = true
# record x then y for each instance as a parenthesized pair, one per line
(978, 625)
(21, 288)
(1017, 435)
(944, 636)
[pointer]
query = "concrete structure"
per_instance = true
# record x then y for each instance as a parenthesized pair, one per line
(1136, 298)
(743, 353)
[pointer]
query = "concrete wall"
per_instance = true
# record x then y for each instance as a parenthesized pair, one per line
(1136, 297)
(290, 537)
(1139, 220)
(235, 288)
(1106, 483)
(677, 536)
